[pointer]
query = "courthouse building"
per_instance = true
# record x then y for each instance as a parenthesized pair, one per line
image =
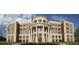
(40, 30)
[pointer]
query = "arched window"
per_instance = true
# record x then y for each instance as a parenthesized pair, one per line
(56, 36)
(20, 40)
(59, 36)
(23, 40)
(52, 36)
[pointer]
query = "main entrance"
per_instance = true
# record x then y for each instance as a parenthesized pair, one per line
(40, 38)
(39, 34)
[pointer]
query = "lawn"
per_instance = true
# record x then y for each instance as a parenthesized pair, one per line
(25, 43)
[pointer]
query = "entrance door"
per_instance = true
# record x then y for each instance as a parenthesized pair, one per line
(40, 38)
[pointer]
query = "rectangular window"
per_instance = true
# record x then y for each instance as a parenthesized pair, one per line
(27, 37)
(23, 36)
(39, 20)
(20, 36)
(40, 29)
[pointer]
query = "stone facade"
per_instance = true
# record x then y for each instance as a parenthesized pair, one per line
(40, 30)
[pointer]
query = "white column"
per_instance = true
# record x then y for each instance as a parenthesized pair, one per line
(46, 36)
(15, 25)
(36, 35)
(65, 35)
(43, 39)
(30, 34)
(73, 32)
(49, 35)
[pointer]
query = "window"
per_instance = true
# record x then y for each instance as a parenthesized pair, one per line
(40, 29)
(34, 29)
(67, 31)
(52, 40)
(56, 36)
(24, 25)
(40, 36)
(52, 36)
(68, 36)
(39, 20)
(8, 29)
(59, 32)
(20, 40)
(58, 28)
(55, 28)
(52, 24)
(20, 29)
(27, 37)
(35, 21)
(17, 36)
(45, 29)
(67, 28)
(56, 40)
(67, 39)
(67, 24)
(71, 36)
(44, 21)
(59, 25)
(23, 36)
(55, 24)
(23, 40)
(20, 36)
(45, 37)
(59, 36)
(52, 28)
(34, 36)
(23, 28)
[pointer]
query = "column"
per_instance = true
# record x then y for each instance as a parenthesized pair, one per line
(36, 35)
(65, 34)
(49, 39)
(31, 35)
(73, 33)
(48, 34)
(15, 32)
(43, 39)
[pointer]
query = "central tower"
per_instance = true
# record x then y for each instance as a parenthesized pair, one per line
(40, 29)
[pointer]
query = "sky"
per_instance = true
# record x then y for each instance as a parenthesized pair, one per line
(5, 18)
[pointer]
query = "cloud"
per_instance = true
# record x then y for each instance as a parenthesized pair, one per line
(5, 18)
(20, 20)
(58, 18)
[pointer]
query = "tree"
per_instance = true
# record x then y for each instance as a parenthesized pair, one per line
(2, 38)
(77, 34)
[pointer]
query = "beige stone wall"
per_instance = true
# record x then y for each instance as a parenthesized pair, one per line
(12, 32)
(68, 31)
(40, 30)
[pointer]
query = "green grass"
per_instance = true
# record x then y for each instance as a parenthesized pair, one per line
(24, 43)
(5, 43)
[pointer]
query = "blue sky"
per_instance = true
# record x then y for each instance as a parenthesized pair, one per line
(74, 18)
(5, 18)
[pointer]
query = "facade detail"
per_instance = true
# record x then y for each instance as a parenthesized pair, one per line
(40, 30)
